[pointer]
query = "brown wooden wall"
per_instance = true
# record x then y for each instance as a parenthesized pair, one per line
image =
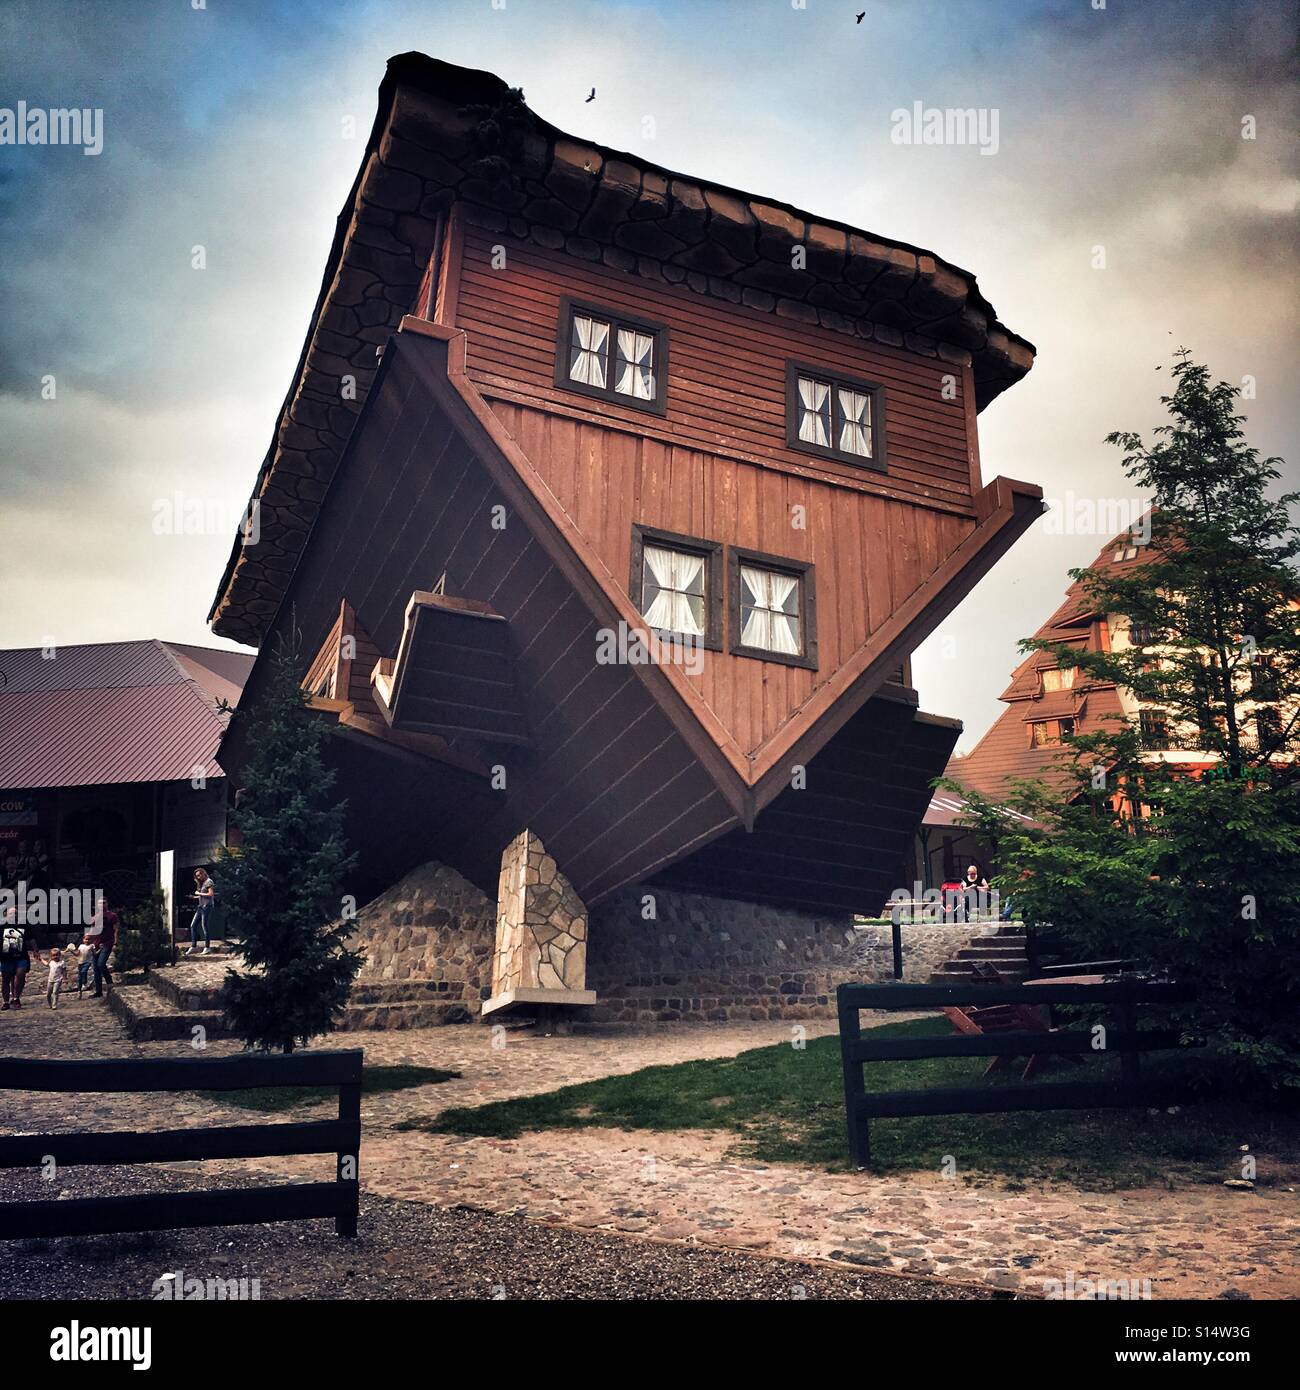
(608, 784)
(869, 552)
(717, 465)
(726, 369)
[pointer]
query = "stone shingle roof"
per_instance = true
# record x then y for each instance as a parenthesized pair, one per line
(440, 134)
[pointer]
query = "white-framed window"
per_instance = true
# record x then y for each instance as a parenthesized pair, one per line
(1058, 678)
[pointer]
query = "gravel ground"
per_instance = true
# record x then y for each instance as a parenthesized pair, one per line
(407, 1250)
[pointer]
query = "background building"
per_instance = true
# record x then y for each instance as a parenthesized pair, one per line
(108, 770)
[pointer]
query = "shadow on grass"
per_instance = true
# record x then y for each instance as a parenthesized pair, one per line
(270, 1099)
(787, 1106)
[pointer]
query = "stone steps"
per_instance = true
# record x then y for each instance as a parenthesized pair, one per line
(955, 975)
(1005, 949)
(364, 1018)
(149, 1017)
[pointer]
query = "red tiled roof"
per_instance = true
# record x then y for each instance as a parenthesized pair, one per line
(1006, 752)
(113, 712)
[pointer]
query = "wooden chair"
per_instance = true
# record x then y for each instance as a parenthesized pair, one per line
(1003, 1018)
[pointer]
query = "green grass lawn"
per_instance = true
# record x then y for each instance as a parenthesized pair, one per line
(270, 1099)
(786, 1106)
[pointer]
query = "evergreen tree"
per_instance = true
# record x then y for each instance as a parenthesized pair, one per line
(282, 886)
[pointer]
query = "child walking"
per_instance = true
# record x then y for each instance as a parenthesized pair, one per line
(58, 972)
(85, 959)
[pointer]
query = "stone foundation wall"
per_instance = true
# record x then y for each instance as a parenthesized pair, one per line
(429, 943)
(705, 958)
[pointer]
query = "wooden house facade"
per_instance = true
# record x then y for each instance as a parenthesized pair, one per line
(609, 506)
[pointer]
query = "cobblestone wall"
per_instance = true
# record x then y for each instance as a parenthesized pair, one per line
(707, 958)
(429, 943)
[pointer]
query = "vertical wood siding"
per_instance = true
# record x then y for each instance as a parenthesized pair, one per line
(716, 466)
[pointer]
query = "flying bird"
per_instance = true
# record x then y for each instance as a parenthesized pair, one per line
(592, 97)
(862, 16)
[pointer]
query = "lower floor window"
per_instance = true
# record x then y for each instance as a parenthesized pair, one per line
(769, 611)
(672, 590)
(772, 608)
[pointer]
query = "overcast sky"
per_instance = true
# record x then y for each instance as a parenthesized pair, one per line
(1118, 127)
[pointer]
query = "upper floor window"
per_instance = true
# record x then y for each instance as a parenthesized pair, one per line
(601, 353)
(1264, 684)
(677, 584)
(834, 416)
(1154, 728)
(773, 613)
(1058, 678)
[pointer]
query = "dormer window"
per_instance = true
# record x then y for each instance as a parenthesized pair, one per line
(605, 354)
(1049, 733)
(773, 612)
(834, 416)
(1058, 678)
(677, 584)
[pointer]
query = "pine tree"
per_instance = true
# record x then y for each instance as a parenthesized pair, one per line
(282, 886)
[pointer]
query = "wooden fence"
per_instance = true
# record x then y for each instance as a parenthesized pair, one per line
(217, 1207)
(1122, 1037)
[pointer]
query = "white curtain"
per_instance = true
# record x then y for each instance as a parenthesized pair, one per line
(635, 365)
(772, 622)
(855, 433)
(815, 411)
(679, 604)
(590, 351)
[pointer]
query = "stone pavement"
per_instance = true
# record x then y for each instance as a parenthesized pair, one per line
(1197, 1241)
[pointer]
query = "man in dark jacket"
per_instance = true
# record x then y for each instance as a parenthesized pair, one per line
(15, 959)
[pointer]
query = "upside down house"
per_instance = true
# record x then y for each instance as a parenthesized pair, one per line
(609, 505)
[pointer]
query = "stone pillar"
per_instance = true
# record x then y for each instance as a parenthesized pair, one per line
(541, 941)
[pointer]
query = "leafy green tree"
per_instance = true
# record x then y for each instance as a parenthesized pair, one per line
(1212, 608)
(1196, 875)
(282, 886)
